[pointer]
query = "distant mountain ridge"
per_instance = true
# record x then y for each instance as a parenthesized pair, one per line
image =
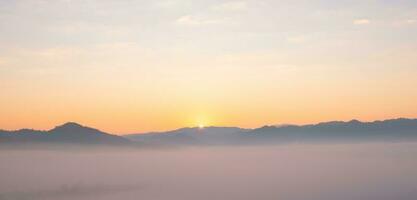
(71, 133)
(392, 130)
(401, 129)
(194, 135)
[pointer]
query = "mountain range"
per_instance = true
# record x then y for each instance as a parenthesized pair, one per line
(393, 130)
(336, 131)
(68, 133)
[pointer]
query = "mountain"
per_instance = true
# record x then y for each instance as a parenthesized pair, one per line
(191, 136)
(70, 133)
(392, 130)
(352, 131)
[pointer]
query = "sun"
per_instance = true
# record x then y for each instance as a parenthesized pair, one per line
(201, 126)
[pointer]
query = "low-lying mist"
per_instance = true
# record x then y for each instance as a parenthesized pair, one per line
(371, 171)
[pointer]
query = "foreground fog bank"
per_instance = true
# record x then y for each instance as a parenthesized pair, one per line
(289, 172)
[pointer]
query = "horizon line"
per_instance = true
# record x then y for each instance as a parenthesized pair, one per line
(211, 126)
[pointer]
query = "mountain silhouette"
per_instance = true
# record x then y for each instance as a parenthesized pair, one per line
(393, 130)
(70, 132)
(354, 131)
(191, 136)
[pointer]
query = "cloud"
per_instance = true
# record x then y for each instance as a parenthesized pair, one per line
(361, 21)
(195, 21)
(232, 6)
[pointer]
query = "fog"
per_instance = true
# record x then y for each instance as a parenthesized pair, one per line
(287, 172)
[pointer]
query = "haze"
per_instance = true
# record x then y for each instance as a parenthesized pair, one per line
(371, 171)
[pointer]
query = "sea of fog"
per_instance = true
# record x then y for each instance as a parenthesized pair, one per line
(373, 171)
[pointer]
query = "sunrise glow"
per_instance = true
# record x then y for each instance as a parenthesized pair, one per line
(140, 66)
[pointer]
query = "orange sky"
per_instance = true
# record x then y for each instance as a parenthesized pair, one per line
(133, 105)
(134, 67)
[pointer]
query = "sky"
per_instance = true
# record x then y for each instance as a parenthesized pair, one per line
(136, 66)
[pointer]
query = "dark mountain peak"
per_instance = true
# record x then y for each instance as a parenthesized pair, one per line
(400, 120)
(75, 133)
(71, 126)
(267, 128)
(354, 121)
(69, 132)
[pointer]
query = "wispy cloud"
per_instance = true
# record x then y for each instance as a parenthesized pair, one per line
(232, 6)
(361, 21)
(191, 20)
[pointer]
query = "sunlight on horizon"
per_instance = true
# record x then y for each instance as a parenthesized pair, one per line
(137, 66)
(201, 126)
